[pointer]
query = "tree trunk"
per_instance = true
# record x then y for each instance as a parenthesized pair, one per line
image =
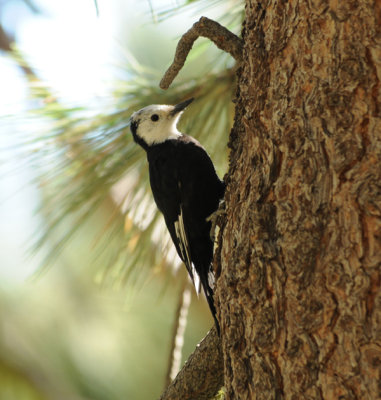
(298, 290)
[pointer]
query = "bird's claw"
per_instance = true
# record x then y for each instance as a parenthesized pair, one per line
(213, 218)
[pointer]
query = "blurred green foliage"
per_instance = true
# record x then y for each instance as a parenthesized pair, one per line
(87, 344)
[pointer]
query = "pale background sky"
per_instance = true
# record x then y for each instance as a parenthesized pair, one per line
(79, 55)
(72, 50)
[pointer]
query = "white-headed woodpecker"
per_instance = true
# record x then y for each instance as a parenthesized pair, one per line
(185, 187)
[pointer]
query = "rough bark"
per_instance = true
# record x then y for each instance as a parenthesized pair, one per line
(202, 375)
(298, 291)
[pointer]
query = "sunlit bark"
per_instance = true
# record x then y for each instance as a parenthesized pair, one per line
(298, 291)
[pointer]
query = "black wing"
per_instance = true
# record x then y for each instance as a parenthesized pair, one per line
(187, 190)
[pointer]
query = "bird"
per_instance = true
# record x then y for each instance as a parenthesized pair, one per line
(185, 188)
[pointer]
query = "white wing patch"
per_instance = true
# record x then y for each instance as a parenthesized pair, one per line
(184, 249)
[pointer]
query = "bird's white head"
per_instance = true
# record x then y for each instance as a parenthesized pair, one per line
(157, 123)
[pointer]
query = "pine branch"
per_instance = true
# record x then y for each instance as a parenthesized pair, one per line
(219, 35)
(202, 376)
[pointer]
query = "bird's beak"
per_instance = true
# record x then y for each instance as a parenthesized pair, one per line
(181, 106)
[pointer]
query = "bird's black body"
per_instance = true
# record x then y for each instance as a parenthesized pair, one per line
(187, 191)
(183, 180)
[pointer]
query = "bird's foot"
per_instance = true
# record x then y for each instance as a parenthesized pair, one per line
(213, 218)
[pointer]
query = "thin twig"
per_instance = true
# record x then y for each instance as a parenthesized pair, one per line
(219, 35)
(179, 326)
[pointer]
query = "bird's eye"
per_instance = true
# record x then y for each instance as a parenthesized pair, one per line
(154, 117)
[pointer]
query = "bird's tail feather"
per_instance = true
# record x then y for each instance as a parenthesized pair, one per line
(209, 294)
